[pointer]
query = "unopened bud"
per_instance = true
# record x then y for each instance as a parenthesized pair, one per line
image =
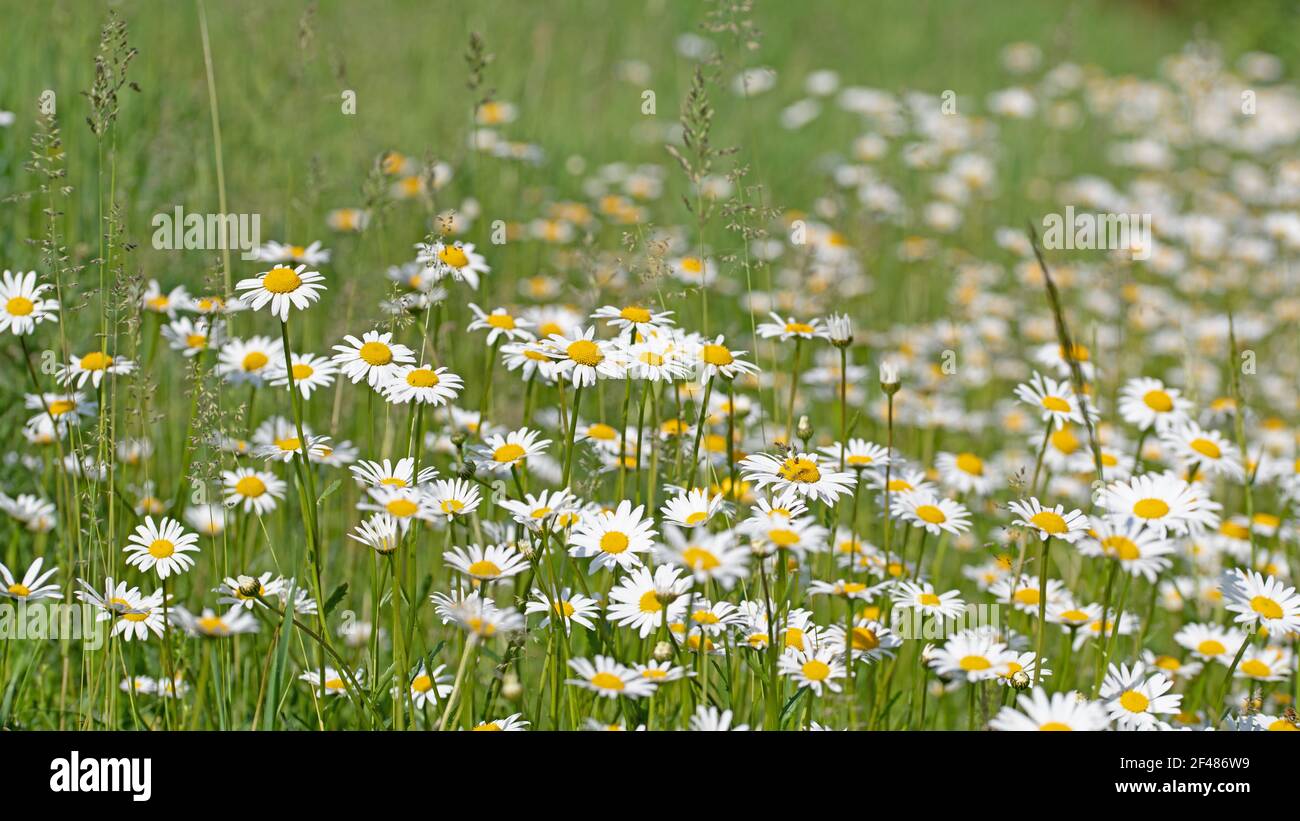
(249, 587)
(663, 651)
(511, 688)
(1020, 680)
(804, 430)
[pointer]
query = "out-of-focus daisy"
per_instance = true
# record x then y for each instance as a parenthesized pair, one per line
(457, 260)
(208, 623)
(500, 323)
(1059, 711)
(1050, 523)
(312, 254)
(1138, 549)
(583, 359)
(333, 683)
(966, 473)
(1163, 502)
(691, 509)
(921, 596)
(787, 329)
(1205, 451)
(858, 454)
(92, 367)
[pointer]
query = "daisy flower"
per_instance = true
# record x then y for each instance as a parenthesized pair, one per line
(1210, 642)
(797, 536)
(332, 684)
(799, 472)
(1049, 523)
(502, 453)
(257, 491)
(309, 373)
(1266, 664)
(153, 299)
(1265, 602)
(1162, 502)
(282, 288)
(454, 497)
(921, 596)
(162, 546)
(208, 624)
(277, 438)
(1055, 401)
(457, 260)
(283, 252)
(713, 358)
(510, 724)
(583, 359)
(246, 590)
(815, 668)
(418, 383)
(92, 367)
(32, 586)
(858, 454)
(405, 504)
(614, 538)
(22, 306)
(692, 508)
(1205, 451)
(966, 473)
(787, 329)
(530, 359)
(1025, 593)
(374, 357)
(487, 564)
(934, 514)
(707, 719)
(1146, 403)
(385, 474)
(1059, 711)
(634, 319)
(1134, 702)
(694, 271)
(871, 640)
(1139, 550)
(429, 687)
(500, 323)
(192, 336)
(643, 599)
(478, 616)
(606, 677)
(973, 655)
(249, 360)
(382, 533)
(654, 360)
(568, 606)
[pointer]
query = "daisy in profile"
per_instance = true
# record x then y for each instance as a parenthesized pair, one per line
(1049, 523)
(156, 301)
(421, 384)
(192, 336)
(282, 288)
(501, 453)
(568, 606)
(1162, 502)
(92, 367)
(249, 360)
(691, 508)
(22, 304)
(500, 323)
(1205, 451)
(375, 357)
(934, 514)
(478, 616)
(454, 497)
(643, 600)
(161, 546)
(858, 454)
(793, 536)
(211, 625)
(277, 438)
(921, 596)
(531, 360)
(713, 358)
(1265, 602)
(815, 668)
(309, 373)
(535, 512)
(787, 329)
(32, 586)
(798, 472)
(966, 473)
(707, 556)
(1135, 702)
(405, 504)
(256, 491)
(1055, 401)
(708, 719)
(487, 564)
(512, 723)
(312, 254)
(1139, 550)
(1210, 642)
(582, 359)
(607, 678)
(1059, 711)
(634, 320)
(1146, 403)
(1271, 663)
(134, 615)
(333, 683)
(428, 687)
(614, 538)
(382, 533)
(386, 474)
(457, 260)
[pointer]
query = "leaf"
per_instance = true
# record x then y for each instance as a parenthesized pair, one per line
(279, 668)
(790, 705)
(336, 597)
(333, 486)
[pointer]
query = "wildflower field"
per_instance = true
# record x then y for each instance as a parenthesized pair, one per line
(649, 365)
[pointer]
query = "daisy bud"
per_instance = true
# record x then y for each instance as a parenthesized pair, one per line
(804, 429)
(889, 377)
(467, 472)
(511, 688)
(841, 330)
(1020, 680)
(249, 587)
(458, 438)
(663, 651)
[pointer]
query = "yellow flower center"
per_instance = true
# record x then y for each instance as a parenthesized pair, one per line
(212, 624)
(1065, 441)
(1266, 607)
(508, 453)
(250, 486)
(454, 256)
(254, 361)
(607, 681)
(783, 538)
(422, 684)
(402, 508)
(634, 314)
(970, 463)
(585, 352)
(1121, 547)
(1055, 726)
(20, 306)
(1235, 530)
(972, 663)
(613, 542)
(865, 639)
(717, 355)
(161, 548)
(1049, 522)
(1256, 668)
(649, 602)
(302, 371)
(798, 328)
(1211, 647)
(1150, 508)
(281, 280)
(196, 341)
(292, 443)
(693, 265)
(19, 590)
(1134, 702)
(452, 506)
(422, 378)
(1027, 595)
(375, 354)
(800, 470)
(931, 514)
(505, 322)
(61, 406)
(1158, 401)
(1056, 404)
(95, 361)
(1206, 448)
(815, 670)
(859, 459)
(484, 570)
(333, 684)
(930, 600)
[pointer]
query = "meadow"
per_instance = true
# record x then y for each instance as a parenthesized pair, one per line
(649, 365)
